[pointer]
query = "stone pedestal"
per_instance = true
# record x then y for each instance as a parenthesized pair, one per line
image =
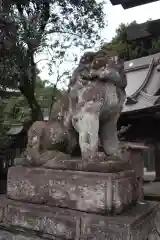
(84, 191)
(76, 204)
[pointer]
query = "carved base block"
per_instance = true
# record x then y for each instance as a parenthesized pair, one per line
(6, 235)
(21, 221)
(84, 191)
(9, 235)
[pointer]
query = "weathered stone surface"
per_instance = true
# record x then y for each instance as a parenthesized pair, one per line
(141, 192)
(49, 157)
(12, 234)
(84, 115)
(154, 236)
(134, 153)
(136, 224)
(6, 235)
(62, 161)
(86, 191)
(110, 165)
(48, 221)
(57, 223)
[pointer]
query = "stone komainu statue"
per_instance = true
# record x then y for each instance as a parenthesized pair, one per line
(86, 115)
(98, 88)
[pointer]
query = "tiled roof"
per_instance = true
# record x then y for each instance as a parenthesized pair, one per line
(143, 79)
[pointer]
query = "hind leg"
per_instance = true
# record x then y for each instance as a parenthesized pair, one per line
(108, 120)
(108, 135)
(34, 145)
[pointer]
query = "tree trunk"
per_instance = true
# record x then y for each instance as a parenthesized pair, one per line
(36, 110)
(52, 100)
(27, 88)
(32, 101)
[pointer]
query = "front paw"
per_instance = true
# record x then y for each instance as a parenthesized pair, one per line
(94, 158)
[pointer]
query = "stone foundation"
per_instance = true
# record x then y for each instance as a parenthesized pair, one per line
(21, 221)
(84, 191)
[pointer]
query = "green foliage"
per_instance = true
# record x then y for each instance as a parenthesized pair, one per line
(45, 93)
(29, 27)
(133, 49)
(15, 109)
(3, 126)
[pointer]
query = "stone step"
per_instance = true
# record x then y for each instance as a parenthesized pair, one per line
(23, 221)
(110, 193)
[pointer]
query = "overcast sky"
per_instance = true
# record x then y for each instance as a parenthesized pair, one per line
(116, 15)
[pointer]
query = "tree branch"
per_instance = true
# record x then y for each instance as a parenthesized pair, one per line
(63, 32)
(45, 59)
